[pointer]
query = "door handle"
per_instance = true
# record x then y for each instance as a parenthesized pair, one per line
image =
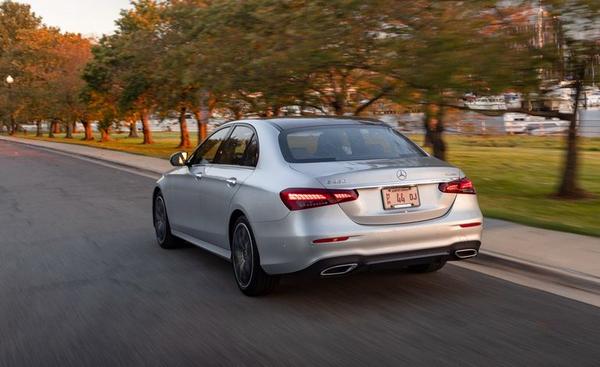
(198, 175)
(231, 181)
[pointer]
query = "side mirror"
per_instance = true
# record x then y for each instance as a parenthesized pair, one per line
(178, 159)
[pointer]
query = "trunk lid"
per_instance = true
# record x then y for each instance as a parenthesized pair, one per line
(370, 177)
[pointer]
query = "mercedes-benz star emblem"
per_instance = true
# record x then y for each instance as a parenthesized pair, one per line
(401, 174)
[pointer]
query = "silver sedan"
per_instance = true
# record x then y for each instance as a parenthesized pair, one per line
(328, 196)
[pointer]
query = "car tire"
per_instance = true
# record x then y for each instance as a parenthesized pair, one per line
(427, 268)
(162, 228)
(245, 259)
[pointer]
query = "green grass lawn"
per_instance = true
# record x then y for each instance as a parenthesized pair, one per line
(514, 175)
(516, 184)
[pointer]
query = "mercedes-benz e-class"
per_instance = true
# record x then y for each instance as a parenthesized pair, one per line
(329, 196)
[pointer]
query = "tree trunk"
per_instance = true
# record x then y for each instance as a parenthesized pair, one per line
(57, 128)
(184, 142)
(12, 130)
(87, 129)
(144, 115)
(338, 105)
(427, 125)
(51, 129)
(104, 135)
(202, 131)
(276, 111)
(133, 132)
(38, 128)
(237, 110)
(569, 188)
(437, 136)
(207, 106)
(69, 132)
(74, 130)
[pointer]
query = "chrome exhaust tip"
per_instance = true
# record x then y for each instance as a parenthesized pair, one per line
(339, 270)
(466, 253)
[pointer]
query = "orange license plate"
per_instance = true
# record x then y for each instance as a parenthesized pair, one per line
(400, 197)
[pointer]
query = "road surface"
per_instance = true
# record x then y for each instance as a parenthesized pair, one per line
(83, 283)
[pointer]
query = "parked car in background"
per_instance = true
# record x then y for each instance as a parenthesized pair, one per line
(548, 128)
(520, 123)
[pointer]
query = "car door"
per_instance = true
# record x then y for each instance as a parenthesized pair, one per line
(222, 179)
(185, 196)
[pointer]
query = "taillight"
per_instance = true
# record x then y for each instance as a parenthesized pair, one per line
(298, 199)
(462, 186)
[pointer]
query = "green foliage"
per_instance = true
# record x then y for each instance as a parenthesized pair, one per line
(514, 175)
(14, 19)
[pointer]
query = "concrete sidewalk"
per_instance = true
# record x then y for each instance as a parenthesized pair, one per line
(561, 252)
(555, 253)
(136, 161)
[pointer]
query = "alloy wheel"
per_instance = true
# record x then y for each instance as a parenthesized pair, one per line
(243, 257)
(160, 219)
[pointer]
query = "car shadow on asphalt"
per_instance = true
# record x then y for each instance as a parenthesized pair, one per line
(355, 287)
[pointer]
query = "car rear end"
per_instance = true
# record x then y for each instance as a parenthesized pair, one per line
(369, 206)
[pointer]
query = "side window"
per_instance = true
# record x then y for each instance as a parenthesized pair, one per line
(251, 154)
(207, 152)
(235, 147)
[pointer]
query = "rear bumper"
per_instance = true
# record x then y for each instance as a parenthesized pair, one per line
(286, 246)
(392, 260)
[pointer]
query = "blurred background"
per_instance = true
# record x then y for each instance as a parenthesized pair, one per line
(506, 89)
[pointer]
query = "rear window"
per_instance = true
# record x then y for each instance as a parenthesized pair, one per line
(345, 143)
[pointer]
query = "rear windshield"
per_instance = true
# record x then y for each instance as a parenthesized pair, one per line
(345, 143)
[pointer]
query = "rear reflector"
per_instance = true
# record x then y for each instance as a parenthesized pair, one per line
(333, 239)
(462, 186)
(298, 199)
(467, 225)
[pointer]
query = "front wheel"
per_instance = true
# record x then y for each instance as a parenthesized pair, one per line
(249, 275)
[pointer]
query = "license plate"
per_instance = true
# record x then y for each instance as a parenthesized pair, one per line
(400, 197)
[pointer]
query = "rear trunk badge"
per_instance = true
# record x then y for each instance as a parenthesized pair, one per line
(401, 174)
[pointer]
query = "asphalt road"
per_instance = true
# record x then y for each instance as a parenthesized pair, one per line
(82, 283)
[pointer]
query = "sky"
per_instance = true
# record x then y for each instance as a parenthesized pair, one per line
(88, 17)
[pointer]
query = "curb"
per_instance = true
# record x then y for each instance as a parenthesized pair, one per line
(84, 155)
(565, 277)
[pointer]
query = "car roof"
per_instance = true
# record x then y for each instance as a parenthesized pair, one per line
(287, 123)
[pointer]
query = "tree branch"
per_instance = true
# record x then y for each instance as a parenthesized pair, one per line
(374, 99)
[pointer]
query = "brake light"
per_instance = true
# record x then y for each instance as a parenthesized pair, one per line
(298, 199)
(462, 186)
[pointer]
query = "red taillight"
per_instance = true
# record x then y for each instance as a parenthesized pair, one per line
(468, 225)
(462, 186)
(332, 239)
(298, 199)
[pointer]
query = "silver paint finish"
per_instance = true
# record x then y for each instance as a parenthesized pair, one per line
(201, 200)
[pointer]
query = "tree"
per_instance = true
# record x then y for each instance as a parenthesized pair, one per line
(437, 51)
(15, 18)
(138, 33)
(569, 56)
(580, 30)
(51, 64)
(102, 89)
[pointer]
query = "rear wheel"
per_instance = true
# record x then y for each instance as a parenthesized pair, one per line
(162, 227)
(427, 268)
(249, 275)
